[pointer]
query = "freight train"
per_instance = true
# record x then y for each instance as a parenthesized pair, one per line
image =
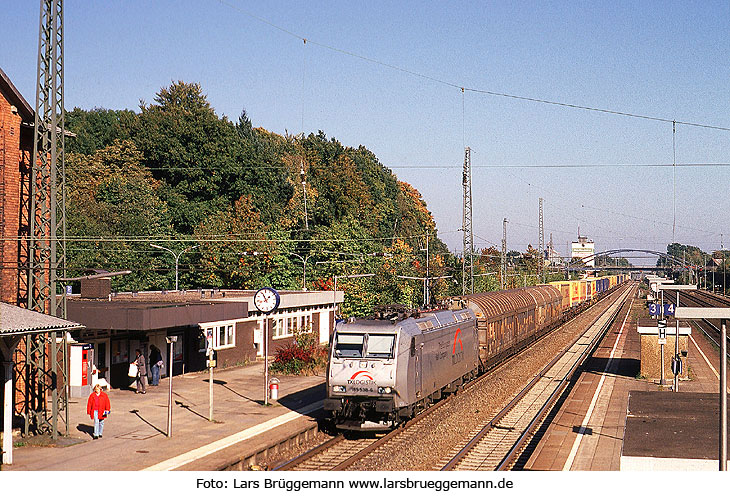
(383, 371)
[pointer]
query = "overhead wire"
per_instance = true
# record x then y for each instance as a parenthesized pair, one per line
(464, 88)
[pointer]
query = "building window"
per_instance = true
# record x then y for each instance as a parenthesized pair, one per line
(295, 321)
(223, 335)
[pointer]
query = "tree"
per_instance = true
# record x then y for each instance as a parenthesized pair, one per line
(234, 252)
(97, 128)
(110, 195)
(189, 149)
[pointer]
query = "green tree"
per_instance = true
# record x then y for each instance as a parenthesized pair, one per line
(111, 196)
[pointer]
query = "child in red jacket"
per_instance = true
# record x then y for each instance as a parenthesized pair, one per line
(98, 408)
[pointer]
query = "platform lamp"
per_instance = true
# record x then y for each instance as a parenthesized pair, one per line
(723, 314)
(170, 340)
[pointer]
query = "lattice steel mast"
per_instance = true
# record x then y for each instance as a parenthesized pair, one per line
(467, 265)
(47, 191)
(47, 234)
(541, 259)
(503, 265)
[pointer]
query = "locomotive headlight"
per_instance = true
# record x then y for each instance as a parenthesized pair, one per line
(338, 389)
(385, 390)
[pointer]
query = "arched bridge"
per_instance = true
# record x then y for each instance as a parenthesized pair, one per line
(675, 264)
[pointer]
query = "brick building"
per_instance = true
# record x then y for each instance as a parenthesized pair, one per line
(118, 323)
(16, 145)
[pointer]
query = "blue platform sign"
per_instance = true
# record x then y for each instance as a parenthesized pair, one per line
(656, 309)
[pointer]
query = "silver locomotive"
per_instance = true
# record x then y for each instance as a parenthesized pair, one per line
(382, 372)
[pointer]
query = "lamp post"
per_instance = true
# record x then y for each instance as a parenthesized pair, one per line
(177, 258)
(304, 262)
(170, 340)
(425, 281)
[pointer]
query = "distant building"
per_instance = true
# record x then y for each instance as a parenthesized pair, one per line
(583, 248)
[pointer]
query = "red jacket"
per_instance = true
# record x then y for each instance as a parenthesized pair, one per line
(99, 403)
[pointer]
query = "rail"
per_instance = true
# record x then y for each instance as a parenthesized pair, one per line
(514, 451)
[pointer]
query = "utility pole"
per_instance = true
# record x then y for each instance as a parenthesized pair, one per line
(467, 265)
(503, 265)
(44, 215)
(541, 260)
(426, 282)
(47, 250)
(303, 176)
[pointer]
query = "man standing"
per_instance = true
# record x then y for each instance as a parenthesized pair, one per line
(155, 364)
(141, 372)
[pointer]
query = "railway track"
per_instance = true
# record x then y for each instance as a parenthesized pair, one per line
(499, 443)
(340, 453)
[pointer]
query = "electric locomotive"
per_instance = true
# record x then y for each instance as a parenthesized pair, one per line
(382, 372)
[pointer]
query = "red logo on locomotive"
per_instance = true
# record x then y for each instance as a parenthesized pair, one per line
(361, 377)
(457, 338)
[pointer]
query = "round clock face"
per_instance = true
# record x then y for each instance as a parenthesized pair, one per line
(266, 300)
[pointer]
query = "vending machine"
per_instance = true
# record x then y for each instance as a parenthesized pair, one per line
(81, 369)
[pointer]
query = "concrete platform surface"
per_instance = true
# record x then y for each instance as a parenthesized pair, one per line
(135, 433)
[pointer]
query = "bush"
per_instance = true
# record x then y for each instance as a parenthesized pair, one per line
(304, 356)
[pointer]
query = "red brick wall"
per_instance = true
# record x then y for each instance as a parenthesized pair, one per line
(11, 157)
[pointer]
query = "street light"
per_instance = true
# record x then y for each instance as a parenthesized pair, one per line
(177, 258)
(170, 340)
(425, 282)
(304, 261)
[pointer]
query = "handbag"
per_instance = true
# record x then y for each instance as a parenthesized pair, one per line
(132, 370)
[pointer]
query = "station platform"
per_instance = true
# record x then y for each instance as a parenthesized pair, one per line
(135, 433)
(588, 432)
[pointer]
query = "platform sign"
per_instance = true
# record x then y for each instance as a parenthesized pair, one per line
(656, 309)
(209, 341)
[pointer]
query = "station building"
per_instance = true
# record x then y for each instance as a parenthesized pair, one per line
(116, 324)
(16, 149)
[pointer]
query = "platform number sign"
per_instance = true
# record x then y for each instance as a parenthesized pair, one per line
(656, 309)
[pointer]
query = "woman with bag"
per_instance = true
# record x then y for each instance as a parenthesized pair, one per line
(98, 408)
(141, 372)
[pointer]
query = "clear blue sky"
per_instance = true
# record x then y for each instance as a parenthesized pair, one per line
(661, 59)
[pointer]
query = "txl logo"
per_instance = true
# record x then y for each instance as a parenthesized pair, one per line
(361, 377)
(457, 357)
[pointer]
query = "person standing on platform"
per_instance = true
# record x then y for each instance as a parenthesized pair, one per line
(155, 364)
(141, 372)
(98, 408)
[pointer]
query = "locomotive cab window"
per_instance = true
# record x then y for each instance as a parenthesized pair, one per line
(349, 345)
(380, 346)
